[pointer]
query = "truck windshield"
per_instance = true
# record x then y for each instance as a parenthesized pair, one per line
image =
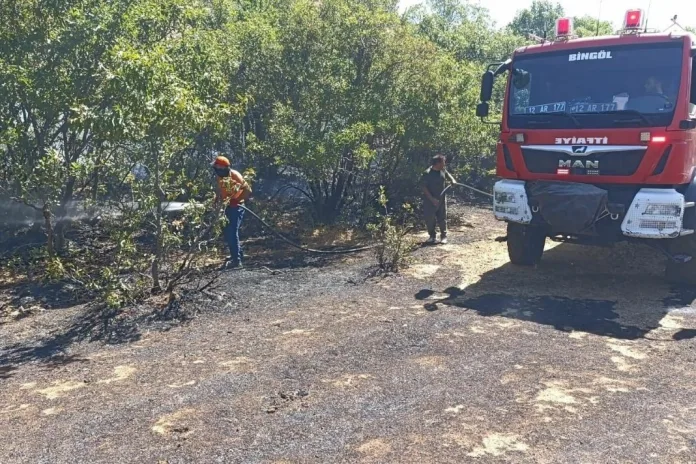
(624, 86)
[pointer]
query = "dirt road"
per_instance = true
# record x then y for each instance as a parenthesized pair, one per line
(588, 358)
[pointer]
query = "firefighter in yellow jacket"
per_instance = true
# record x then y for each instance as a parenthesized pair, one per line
(232, 190)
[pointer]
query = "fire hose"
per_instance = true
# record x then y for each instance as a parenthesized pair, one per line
(348, 250)
(301, 247)
(490, 195)
(275, 232)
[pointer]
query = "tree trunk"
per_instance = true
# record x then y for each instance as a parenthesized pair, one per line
(159, 227)
(62, 226)
(95, 188)
(329, 200)
(157, 261)
(48, 223)
(62, 222)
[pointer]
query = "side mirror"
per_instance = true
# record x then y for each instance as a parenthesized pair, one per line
(520, 79)
(687, 124)
(487, 86)
(482, 110)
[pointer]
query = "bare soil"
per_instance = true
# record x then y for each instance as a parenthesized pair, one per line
(588, 357)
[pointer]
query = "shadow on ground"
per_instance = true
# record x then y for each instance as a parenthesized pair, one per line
(618, 292)
(6, 372)
(684, 334)
(96, 324)
(101, 324)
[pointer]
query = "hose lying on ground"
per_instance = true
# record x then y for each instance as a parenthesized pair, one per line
(304, 248)
(337, 252)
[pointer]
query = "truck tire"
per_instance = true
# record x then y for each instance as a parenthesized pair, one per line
(525, 244)
(682, 273)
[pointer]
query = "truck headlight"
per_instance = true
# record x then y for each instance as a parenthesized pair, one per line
(507, 210)
(504, 197)
(662, 210)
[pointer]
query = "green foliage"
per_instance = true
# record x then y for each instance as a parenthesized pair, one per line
(120, 105)
(394, 246)
(55, 270)
(587, 26)
(539, 19)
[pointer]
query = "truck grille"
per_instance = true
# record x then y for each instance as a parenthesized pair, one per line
(615, 163)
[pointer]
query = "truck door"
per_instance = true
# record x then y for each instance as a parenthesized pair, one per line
(692, 94)
(691, 153)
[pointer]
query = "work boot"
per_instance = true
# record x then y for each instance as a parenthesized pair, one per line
(231, 264)
(431, 241)
(443, 241)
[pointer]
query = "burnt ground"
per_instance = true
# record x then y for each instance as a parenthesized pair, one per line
(589, 357)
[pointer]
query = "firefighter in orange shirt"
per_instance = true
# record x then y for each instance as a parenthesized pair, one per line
(233, 190)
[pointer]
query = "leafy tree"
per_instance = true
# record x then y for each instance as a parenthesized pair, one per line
(52, 81)
(168, 80)
(124, 103)
(346, 96)
(539, 19)
(467, 31)
(92, 89)
(587, 26)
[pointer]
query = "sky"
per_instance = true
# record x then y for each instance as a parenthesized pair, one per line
(659, 16)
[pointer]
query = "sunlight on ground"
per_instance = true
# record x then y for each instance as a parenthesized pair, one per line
(120, 373)
(430, 361)
(348, 380)
(455, 409)
(51, 411)
(60, 388)
(298, 332)
(627, 351)
(182, 385)
(12, 409)
(554, 393)
(669, 325)
(375, 448)
(472, 260)
(175, 422)
(621, 364)
(496, 444)
(422, 271)
(240, 364)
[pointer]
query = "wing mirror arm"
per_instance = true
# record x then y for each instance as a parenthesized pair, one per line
(487, 80)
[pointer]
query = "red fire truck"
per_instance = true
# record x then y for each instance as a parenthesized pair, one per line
(598, 143)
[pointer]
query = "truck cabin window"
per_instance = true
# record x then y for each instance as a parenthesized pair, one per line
(633, 86)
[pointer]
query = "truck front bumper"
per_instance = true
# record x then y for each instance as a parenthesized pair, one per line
(654, 213)
(510, 201)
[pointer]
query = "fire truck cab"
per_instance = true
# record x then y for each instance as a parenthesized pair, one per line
(598, 142)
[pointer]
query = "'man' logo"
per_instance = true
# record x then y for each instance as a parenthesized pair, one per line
(600, 55)
(578, 164)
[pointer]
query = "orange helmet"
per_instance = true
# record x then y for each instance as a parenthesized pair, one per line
(221, 162)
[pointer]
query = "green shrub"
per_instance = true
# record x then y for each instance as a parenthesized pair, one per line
(394, 246)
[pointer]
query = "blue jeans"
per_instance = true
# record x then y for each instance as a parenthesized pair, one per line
(234, 214)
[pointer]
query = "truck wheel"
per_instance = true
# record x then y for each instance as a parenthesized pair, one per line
(525, 244)
(682, 273)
